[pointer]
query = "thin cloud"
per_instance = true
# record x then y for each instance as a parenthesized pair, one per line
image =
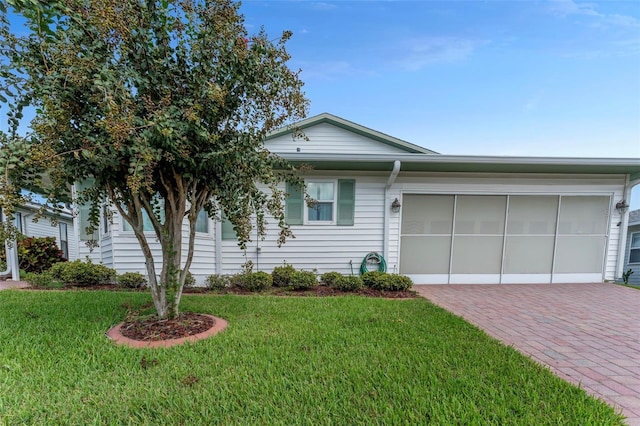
(318, 5)
(564, 8)
(419, 53)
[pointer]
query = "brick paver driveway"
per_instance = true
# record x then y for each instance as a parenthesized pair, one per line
(588, 334)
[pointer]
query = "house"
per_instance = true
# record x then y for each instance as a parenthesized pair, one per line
(632, 252)
(62, 229)
(436, 218)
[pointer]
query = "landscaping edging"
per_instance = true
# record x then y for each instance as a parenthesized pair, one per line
(116, 336)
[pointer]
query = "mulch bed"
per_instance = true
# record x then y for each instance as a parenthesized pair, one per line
(153, 329)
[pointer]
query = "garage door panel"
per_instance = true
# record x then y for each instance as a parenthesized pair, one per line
(480, 214)
(528, 255)
(425, 254)
(477, 255)
(579, 254)
(427, 214)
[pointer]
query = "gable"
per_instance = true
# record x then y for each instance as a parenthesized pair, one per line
(328, 134)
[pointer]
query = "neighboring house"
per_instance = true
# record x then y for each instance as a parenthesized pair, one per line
(64, 231)
(632, 253)
(436, 218)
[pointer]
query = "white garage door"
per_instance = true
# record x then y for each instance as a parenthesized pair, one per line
(503, 238)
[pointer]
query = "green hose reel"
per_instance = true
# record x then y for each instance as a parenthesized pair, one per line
(371, 259)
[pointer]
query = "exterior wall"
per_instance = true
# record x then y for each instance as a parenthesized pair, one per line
(126, 255)
(321, 247)
(635, 277)
(328, 139)
(487, 184)
(43, 228)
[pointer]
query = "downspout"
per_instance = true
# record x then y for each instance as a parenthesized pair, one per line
(218, 249)
(624, 222)
(385, 208)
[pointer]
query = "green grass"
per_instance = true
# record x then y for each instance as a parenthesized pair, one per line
(343, 360)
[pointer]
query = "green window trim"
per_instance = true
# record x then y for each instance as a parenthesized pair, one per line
(228, 233)
(294, 205)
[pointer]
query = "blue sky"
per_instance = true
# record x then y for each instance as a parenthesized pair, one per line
(532, 78)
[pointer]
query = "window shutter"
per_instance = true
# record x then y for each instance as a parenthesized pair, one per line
(346, 201)
(294, 205)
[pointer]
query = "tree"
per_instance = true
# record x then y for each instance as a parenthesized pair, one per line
(160, 107)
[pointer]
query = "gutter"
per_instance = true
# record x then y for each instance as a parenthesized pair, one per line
(385, 208)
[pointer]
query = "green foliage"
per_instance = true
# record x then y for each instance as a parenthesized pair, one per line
(256, 281)
(41, 280)
(349, 283)
(132, 280)
(83, 273)
(162, 105)
(36, 254)
(330, 278)
(626, 275)
(383, 281)
(374, 279)
(282, 275)
(217, 282)
(303, 280)
(190, 280)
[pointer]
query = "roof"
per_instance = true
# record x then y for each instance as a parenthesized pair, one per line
(352, 127)
(469, 164)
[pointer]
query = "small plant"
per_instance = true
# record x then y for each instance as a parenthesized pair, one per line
(349, 283)
(132, 280)
(282, 275)
(189, 280)
(303, 280)
(375, 279)
(41, 280)
(256, 281)
(83, 273)
(626, 275)
(330, 278)
(217, 282)
(237, 280)
(396, 282)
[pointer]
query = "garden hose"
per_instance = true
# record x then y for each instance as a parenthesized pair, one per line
(374, 258)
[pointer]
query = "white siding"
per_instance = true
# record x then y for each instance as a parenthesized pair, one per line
(321, 247)
(514, 184)
(128, 257)
(43, 228)
(329, 139)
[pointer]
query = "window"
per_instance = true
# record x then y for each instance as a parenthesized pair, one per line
(202, 222)
(19, 222)
(228, 233)
(147, 226)
(634, 248)
(335, 203)
(84, 212)
(324, 194)
(64, 240)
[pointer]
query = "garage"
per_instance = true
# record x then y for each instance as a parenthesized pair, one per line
(512, 238)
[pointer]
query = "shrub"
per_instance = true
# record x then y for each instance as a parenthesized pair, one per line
(237, 280)
(132, 280)
(396, 282)
(330, 278)
(189, 280)
(82, 273)
(43, 279)
(282, 275)
(256, 281)
(374, 279)
(217, 281)
(36, 254)
(349, 283)
(303, 280)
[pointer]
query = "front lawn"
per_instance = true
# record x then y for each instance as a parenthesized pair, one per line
(338, 360)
